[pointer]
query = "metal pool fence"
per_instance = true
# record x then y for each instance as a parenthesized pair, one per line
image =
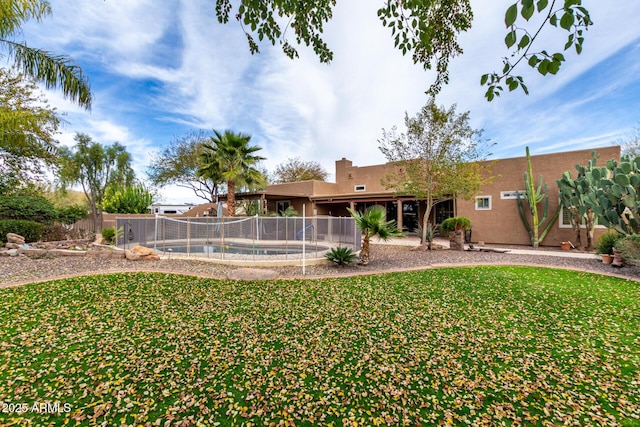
(251, 238)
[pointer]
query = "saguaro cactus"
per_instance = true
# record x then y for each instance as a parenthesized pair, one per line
(533, 197)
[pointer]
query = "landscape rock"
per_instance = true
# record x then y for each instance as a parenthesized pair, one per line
(150, 257)
(131, 256)
(10, 245)
(34, 252)
(142, 251)
(13, 252)
(15, 238)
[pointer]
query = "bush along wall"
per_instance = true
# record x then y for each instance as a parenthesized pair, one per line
(30, 230)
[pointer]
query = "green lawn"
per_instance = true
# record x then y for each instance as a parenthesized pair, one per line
(484, 345)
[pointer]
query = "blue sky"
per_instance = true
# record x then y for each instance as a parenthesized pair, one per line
(162, 69)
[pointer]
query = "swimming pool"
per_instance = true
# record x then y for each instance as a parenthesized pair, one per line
(243, 249)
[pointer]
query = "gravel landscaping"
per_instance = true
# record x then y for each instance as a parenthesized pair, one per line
(16, 270)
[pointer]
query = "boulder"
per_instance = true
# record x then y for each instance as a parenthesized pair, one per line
(142, 251)
(13, 252)
(15, 238)
(10, 245)
(131, 256)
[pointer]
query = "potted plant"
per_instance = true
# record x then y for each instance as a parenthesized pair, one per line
(605, 245)
(455, 223)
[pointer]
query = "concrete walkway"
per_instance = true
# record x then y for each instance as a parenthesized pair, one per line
(415, 241)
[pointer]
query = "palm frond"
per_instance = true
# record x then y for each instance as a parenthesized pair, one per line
(54, 71)
(15, 12)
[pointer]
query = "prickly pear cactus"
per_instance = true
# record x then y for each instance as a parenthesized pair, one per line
(617, 204)
(578, 196)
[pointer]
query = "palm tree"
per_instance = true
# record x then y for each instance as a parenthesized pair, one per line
(230, 159)
(373, 223)
(53, 71)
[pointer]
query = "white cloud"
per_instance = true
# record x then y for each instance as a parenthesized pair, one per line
(162, 68)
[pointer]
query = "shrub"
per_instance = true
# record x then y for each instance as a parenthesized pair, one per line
(108, 234)
(30, 230)
(629, 248)
(450, 224)
(57, 232)
(607, 242)
(31, 208)
(341, 256)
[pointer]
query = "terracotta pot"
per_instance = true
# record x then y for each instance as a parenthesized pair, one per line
(606, 258)
(565, 246)
(617, 259)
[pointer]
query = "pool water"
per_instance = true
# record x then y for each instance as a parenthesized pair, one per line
(231, 248)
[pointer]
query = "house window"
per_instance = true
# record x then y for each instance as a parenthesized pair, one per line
(506, 195)
(483, 203)
(360, 187)
(282, 205)
(564, 221)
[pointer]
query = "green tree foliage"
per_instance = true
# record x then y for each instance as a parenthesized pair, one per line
(95, 167)
(437, 159)
(16, 184)
(230, 157)
(296, 169)
(428, 30)
(28, 126)
(534, 196)
(54, 71)
(372, 223)
(70, 214)
(569, 16)
(132, 199)
(178, 165)
(32, 208)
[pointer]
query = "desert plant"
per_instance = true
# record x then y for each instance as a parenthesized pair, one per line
(533, 196)
(289, 212)
(341, 256)
(450, 224)
(373, 223)
(629, 248)
(607, 242)
(616, 202)
(108, 234)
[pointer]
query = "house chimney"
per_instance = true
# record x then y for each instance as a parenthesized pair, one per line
(341, 169)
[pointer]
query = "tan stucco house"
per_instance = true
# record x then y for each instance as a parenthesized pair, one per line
(493, 212)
